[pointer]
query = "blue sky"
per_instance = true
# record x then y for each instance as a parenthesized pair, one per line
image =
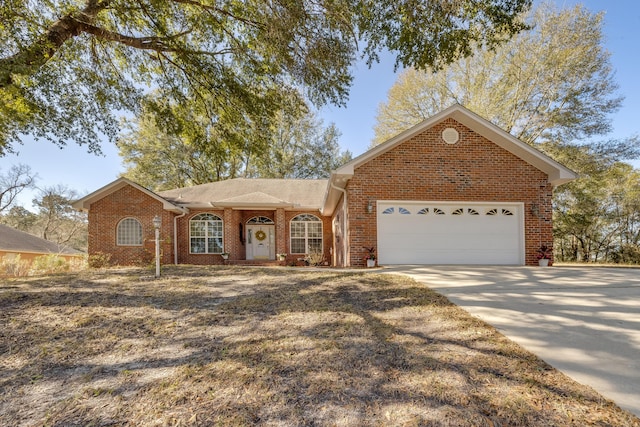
(73, 167)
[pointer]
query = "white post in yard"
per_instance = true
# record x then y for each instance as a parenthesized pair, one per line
(157, 222)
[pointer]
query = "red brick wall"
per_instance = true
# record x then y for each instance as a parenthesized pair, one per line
(129, 202)
(232, 241)
(427, 168)
(327, 235)
(184, 257)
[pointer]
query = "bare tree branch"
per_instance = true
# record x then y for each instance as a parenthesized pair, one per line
(18, 179)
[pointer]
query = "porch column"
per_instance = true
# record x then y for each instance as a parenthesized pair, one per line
(230, 245)
(281, 231)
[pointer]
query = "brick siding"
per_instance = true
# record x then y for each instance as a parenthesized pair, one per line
(426, 168)
(129, 202)
(422, 168)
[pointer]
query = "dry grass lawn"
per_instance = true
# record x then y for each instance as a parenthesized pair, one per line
(207, 346)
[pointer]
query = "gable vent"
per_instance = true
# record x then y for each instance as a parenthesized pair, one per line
(450, 135)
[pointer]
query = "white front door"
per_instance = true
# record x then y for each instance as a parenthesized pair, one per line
(261, 242)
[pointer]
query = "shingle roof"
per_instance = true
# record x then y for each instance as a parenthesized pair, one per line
(18, 241)
(296, 193)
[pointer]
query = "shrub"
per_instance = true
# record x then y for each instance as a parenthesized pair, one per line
(99, 260)
(13, 266)
(627, 254)
(314, 258)
(78, 263)
(48, 264)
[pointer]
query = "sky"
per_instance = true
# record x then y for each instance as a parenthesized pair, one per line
(83, 172)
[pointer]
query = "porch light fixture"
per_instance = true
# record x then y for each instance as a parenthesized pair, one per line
(369, 207)
(157, 222)
(535, 210)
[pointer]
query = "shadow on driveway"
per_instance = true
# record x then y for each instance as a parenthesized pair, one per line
(583, 321)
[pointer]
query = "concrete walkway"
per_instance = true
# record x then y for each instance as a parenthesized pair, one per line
(583, 321)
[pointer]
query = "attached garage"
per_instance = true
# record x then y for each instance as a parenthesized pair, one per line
(423, 232)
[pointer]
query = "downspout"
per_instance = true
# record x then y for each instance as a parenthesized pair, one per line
(347, 258)
(175, 237)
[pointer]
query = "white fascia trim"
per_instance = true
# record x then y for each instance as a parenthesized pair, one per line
(557, 173)
(337, 183)
(84, 203)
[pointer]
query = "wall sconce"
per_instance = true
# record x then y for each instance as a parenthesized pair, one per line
(369, 207)
(535, 210)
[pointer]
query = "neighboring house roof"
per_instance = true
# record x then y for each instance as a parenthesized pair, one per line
(249, 193)
(12, 240)
(557, 173)
(84, 203)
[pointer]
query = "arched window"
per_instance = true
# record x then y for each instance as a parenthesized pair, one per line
(129, 232)
(205, 234)
(260, 220)
(306, 234)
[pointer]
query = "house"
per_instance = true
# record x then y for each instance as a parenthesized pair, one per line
(454, 189)
(15, 243)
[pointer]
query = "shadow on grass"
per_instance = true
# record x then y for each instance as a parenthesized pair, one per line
(238, 346)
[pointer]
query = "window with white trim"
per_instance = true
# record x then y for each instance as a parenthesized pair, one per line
(305, 234)
(129, 232)
(205, 234)
(260, 220)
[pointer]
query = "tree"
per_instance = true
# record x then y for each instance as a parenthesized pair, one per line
(161, 161)
(552, 87)
(20, 218)
(552, 83)
(291, 144)
(67, 65)
(299, 147)
(596, 217)
(14, 182)
(57, 220)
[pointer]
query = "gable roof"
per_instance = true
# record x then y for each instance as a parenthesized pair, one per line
(557, 173)
(12, 240)
(250, 193)
(239, 193)
(84, 203)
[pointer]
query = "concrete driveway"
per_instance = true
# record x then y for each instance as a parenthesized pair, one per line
(583, 321)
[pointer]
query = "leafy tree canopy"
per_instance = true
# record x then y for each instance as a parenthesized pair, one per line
(55, 220)
(554, 83)
(298, 146)
(554, 88)
(67, 65)
(291, 144)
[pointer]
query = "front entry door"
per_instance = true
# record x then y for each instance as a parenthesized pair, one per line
(261, 242)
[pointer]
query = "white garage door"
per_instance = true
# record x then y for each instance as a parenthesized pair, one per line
(450, 233)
